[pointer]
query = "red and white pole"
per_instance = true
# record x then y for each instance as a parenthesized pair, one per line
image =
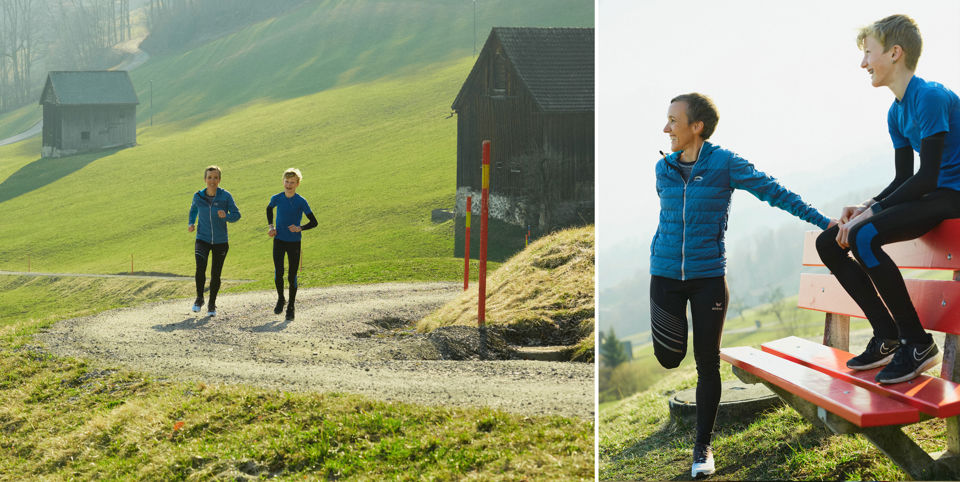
(484, 213)
(466, 246)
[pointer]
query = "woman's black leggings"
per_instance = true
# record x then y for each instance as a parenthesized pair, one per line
(708, 299)
(202, 250)
(292, 251)
(888, 307)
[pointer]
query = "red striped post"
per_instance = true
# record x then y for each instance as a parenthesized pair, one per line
(484, 212)
(466, 246)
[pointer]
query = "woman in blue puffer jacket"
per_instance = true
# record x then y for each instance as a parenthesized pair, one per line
(211, 208)
(687, 262)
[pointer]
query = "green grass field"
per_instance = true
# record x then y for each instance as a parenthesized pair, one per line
(355, 94)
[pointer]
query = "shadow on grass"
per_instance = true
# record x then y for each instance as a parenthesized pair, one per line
(45, 171)
(672, 444)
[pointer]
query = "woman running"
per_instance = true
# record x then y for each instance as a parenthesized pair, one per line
(212, 208)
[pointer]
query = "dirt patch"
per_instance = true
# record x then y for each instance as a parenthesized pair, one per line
(357, 339)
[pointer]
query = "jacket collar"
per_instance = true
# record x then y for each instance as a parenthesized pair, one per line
(673, 159)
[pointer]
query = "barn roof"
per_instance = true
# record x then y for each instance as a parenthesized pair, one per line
(88, 87)
(555, 64)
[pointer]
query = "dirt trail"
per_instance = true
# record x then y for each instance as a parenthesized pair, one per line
(355, 339)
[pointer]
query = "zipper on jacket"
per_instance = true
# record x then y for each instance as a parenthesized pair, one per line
(211, 218)
(683, 232)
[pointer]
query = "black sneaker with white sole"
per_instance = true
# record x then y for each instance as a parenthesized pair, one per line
(879, 352)
(702, 461)
(211, 309)
(911, 360)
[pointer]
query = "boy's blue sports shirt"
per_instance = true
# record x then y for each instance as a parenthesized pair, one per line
(928, 108)
(290, 210)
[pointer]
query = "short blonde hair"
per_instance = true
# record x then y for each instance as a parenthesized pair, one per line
(293, 172)
(895, 30)
(212, 168)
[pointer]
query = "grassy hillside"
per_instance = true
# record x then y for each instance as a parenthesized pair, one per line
(546, 290)
(332, 43)
(355, 94)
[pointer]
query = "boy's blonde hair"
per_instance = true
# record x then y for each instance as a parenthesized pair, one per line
(895, 30)
(293, 172)
(213, 168)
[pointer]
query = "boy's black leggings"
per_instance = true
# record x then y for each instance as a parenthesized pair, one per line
(873, 280)
(201, 251)
(292, 251)
(708, 299)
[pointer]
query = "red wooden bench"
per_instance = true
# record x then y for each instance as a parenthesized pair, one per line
(814, 379)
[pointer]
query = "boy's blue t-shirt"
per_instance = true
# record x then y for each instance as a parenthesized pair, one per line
(290, 210)
(928, 108)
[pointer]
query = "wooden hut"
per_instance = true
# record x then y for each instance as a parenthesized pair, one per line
(87, 111)
(531, 94)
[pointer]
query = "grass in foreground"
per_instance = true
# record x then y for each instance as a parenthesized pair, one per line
(638, 440)
(545, 289)
(68, 419)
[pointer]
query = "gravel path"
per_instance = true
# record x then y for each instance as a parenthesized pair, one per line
(355, 339)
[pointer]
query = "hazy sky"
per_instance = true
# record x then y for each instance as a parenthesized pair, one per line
(785, 76)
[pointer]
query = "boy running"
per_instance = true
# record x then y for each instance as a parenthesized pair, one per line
(286, 240)
(924, 117)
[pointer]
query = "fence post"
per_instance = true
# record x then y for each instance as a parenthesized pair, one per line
(484, 213)
(466, 246)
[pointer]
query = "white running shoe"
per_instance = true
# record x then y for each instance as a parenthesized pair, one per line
(702, 461)
(197, 305)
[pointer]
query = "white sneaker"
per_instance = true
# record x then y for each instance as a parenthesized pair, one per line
(197, 305)
(702, 461)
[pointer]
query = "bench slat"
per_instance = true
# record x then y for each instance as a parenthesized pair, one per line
(931, 395)
(937, 302)
(855, 404)
(938, 249)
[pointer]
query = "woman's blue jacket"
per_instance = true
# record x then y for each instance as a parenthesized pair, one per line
(688, 243)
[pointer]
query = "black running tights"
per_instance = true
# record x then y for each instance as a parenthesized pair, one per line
(888, 307)
(292, 252)
(708, 299)
(202, 250)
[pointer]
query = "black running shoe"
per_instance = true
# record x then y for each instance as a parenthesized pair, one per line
(290, 313)
(702, 461)
(911, 360)
(198, 304)
(279, 308)
(211, 309)
(879, 352)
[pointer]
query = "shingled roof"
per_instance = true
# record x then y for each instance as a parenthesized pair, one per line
(89, 87)
(555, 64)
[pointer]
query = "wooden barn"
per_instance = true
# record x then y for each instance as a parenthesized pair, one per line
(531, 94)
(87, 111)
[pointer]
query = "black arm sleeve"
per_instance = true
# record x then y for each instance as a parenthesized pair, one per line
(312, 224)
(903, 158)
(925, 180)
(269, 215)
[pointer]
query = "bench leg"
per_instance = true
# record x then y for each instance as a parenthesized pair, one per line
(836, 331)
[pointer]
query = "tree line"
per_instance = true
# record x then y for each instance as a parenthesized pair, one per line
(37, 36)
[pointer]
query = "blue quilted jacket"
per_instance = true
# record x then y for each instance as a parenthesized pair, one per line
(210, 227)
(693, 214)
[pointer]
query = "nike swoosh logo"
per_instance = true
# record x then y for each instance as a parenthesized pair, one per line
(886, 351)
(918, 358)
